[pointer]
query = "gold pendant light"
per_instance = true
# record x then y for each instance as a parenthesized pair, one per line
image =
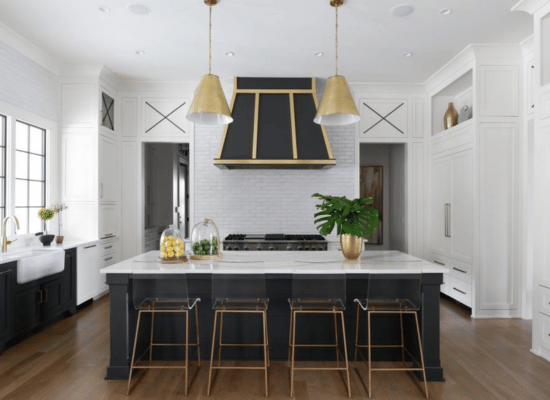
(337, 105)
(209, 107)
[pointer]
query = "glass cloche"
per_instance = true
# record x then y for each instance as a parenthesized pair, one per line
(172, 248)
(205, 241)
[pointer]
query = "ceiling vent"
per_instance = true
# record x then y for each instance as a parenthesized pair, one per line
(273, 127)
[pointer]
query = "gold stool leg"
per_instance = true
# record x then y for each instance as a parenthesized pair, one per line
(402, 339)
(336, 340)
(356, 334)
(421, 353)
(186, 352)
(266, 351)
(369, 348)
(212, 353)
(220, 339)
(345, 351)
(290, 338)
(151, 342)
(293, 313)
(134, 353)
(197, 333)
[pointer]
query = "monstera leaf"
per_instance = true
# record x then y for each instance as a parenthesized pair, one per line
(355, 217)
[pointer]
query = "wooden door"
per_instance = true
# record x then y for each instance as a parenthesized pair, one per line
(372, 185)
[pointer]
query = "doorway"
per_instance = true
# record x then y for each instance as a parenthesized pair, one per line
(166, 190)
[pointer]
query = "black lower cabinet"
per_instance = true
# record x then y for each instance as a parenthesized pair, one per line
(37, 303)
(7, 279)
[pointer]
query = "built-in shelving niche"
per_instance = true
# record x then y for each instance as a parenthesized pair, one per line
(460, 92)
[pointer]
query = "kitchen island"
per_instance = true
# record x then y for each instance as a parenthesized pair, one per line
(279, 268)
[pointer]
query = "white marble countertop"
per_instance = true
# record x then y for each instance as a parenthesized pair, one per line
(282, 262)
(18, 252)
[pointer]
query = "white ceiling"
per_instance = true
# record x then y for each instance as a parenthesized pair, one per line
(269, 37)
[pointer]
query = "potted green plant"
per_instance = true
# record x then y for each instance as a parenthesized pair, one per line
(353, 219)
(45, 215)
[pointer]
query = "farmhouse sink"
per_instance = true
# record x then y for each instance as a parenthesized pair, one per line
(33, 265)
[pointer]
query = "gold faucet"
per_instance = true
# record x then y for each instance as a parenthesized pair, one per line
(5, 240)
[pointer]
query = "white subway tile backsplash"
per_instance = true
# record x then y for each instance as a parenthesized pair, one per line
(268, 201)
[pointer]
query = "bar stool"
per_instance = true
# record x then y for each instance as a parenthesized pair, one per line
(317, 294)
(239, 294)
(389, 296)
(160, 294)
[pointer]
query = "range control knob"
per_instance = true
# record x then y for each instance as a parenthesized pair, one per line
(246, 248)
(271, 248)
(258, 247)
(289, 247)
(306, 248)
(300, 248)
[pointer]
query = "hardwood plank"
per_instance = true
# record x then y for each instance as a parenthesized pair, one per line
(482, 359)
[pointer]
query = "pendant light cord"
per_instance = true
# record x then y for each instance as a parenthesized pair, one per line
(336, 42)
(210, 43)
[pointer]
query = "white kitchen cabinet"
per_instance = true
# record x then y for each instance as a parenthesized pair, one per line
(451, 205)
(474, 185)
(108, 182)
(87, 273)
(108, 221)
(90, 166)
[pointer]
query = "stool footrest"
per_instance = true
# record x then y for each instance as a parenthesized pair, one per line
(242, 344)
(175, 344)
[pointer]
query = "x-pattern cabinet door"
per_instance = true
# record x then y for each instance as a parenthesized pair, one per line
(165, 117)
(384, 118)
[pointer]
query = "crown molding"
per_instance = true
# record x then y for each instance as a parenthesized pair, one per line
(530, 6)
(29, 50)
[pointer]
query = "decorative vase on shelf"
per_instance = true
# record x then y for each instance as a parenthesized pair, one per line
(450, 118)
(351, 246)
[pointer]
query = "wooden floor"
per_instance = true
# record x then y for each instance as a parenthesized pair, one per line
(482, 359)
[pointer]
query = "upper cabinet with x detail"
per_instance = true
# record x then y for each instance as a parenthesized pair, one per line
(383, 118)
(165, 117)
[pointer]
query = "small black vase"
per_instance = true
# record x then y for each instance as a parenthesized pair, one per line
(46, 239)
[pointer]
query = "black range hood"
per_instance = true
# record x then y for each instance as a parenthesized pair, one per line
(273, 127)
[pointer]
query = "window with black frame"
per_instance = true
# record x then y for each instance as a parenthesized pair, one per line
(30, 176)
(3, 129)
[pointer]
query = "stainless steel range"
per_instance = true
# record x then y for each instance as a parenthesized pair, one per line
(275, 242)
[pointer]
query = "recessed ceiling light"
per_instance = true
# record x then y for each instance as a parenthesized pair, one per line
(407, 54)
(104, 9)
(402, 11)
(446, 11)
(229, 53)
(140, 52)
(138, 9)
(319, 54)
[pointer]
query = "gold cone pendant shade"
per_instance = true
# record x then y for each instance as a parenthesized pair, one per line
(337, 105)
(209, 107)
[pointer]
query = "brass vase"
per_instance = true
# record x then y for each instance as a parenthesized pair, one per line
(450, 118)
(351, 246)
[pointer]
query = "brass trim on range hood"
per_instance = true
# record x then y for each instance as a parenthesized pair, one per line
(269, 88)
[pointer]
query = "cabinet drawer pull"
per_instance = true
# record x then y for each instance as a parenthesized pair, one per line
(108, 247)
(110, 258)
(8, 271)
(108, 235)
(89, 247)
(460, 270)
(459, 291)
(438, 262)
